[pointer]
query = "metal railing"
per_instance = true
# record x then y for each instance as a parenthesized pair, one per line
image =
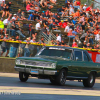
(48, 38)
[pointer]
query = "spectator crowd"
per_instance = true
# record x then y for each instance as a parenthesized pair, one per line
(78, 23)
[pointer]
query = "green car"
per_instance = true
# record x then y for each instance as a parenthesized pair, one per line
(59, 64)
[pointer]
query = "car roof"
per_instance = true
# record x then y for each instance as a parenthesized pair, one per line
(67, 48)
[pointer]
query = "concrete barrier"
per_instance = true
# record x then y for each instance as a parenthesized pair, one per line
(7, 65)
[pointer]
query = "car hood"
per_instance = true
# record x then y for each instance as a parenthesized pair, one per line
(43, 58)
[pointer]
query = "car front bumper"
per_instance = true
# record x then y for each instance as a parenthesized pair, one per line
(36, 71)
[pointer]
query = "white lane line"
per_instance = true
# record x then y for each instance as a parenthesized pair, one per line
(56, 91)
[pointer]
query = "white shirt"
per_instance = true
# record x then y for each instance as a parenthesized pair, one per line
(14, 18)
(97, 37)
(66, 28)
(32, 41)
(59, 38)
(2, 1)
(37, 27)
(71, 11)
(5, 21)
(84, 7)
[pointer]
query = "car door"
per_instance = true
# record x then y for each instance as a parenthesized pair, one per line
(87, 64)
(76, 64)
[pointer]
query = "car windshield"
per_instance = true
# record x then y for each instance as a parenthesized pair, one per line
(56, 52)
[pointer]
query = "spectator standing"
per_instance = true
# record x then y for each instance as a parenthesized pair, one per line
(13, 50)
(26, 49)
(21, 49)
(4, 45)
(32, 47)
(1, 25)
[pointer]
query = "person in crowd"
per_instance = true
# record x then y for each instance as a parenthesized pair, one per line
(1, 7)
(2, 1)
(4, 12)
(97, 37)
(23, 16)
(26, 48)
(14, 17)
(77, 4)
(88, 46)
(9, 5)
(38, 25)
(6, 21)
(31, 16)
(4, 45)
(74, 44)
(21, 49)
(17, 29)
(43, 3)
(19, 14)
(67, 28)
(58, 37)
(14, 47)
(44, 30)
(1, 26)
(32, 48)
(84, 45)
(9, 28)
(85, 6)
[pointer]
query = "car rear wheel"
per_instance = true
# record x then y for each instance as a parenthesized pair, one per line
(61, 78)
(23, 76)
(90, 81)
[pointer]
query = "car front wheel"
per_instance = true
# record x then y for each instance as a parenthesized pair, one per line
(90, 81)
(61, 78)
(23, 76)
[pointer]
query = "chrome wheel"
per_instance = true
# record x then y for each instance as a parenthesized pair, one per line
(61, 78)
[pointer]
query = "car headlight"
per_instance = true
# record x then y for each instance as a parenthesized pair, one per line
(22, 62)
(53, 65)
(17, 62)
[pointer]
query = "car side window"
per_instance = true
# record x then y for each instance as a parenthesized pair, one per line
(85, 57)
(78, 55)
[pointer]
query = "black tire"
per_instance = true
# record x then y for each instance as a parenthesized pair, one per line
(23, 76)
(53, 81)
(61, 78)
(90, 81)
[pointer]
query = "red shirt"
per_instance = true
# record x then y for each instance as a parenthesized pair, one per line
(78, 3)
(28, 7)
(74, 44)
(88, 8)
(60, 23)
(64, 24)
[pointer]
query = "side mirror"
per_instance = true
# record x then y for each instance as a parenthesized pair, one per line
(76, 58)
